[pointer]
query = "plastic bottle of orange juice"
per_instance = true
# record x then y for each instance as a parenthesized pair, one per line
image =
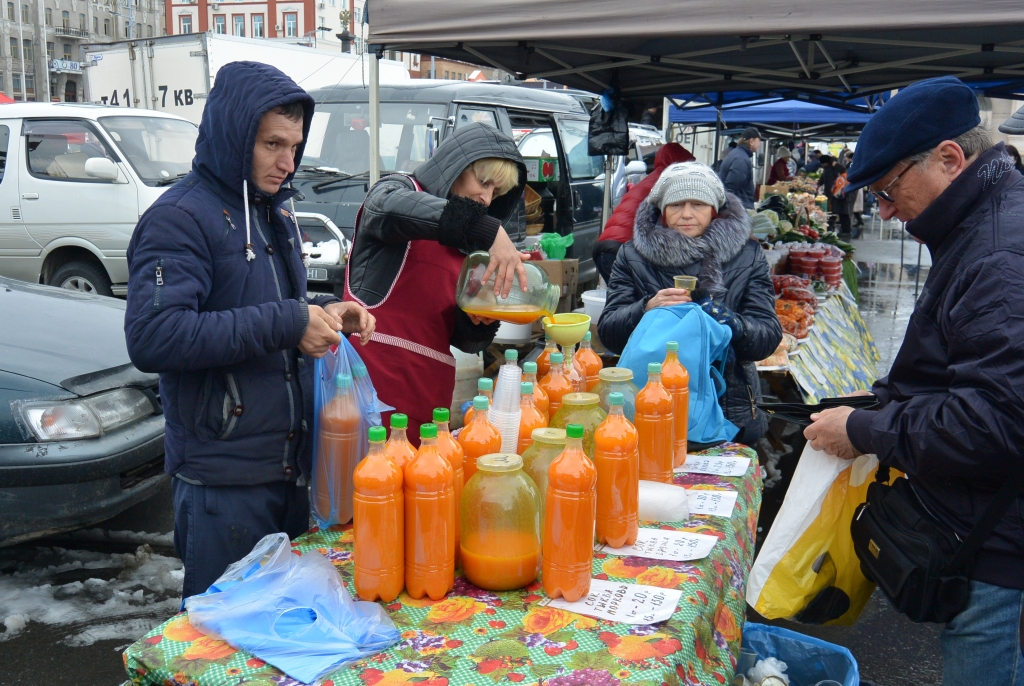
(617, 461)
(589, 362)
(398, 447)
(429, 527)
(531, 419)
(478, 438)
(569, 513)
(484, 387)
(378, 524)
(453, 453)
(656, 427)
(338, 453)
(540, 396)
(556, 383)
(544, 360)
(677, 381)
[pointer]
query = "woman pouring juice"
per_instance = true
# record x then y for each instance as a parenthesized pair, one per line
(411, 239)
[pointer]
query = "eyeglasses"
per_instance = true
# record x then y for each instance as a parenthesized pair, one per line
(884, 193)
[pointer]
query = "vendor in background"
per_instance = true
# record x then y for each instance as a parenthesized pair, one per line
(619, 228)
(780, 170)
(813, 162)
(737, 170)
(409, 245)
(690, 225)
(838, 206)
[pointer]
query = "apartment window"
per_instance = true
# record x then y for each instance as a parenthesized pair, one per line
(14, 48)
(16, 80)
(65, 19)
(106, 27)
(219, 24)
(30, 84)
(238, 24)
(95, 24)
(257, 26)
(49, 16)
(323, 22)
(446, 74)
(49, 51)
(24, 14)
(81, 22)
(358, 18)
(27, 48)
(186, 23)
(291, 25)
(10, 11)
(149, 30)
(67, 52)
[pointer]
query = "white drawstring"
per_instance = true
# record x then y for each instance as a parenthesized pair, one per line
(250, 253)
(298, 233)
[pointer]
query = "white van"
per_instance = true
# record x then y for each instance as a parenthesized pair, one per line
(75, 180)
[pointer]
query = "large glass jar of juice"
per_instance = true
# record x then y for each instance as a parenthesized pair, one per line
(617, 380)
(583, 409)
(500, 525)
(477, 296)
(548, 443)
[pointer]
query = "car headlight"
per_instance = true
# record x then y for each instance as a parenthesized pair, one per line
(63, 420)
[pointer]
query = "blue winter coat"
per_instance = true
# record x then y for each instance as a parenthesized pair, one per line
(220, 329)
(737, 174)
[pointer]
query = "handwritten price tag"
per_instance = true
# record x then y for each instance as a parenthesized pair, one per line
(627, 603)
(657, 544)
(721, 465)
(718, 503)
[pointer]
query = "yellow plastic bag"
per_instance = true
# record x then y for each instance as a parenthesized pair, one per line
(807, 569)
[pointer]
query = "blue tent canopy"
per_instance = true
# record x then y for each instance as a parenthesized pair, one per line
(768, 112)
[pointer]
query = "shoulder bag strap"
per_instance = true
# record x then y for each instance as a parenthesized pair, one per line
(1000, 504)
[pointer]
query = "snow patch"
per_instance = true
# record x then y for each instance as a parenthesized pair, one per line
(136, 537)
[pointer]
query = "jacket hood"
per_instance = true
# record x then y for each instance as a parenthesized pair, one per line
(242, 94)
(464, 147)
(670, 153)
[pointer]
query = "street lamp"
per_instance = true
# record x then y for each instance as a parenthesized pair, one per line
(346, 40)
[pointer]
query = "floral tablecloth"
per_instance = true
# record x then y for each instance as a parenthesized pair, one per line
(481, 638)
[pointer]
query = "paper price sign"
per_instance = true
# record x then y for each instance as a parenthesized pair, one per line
(656, 544)
(627, 603)
(718, 503)
(721, 465)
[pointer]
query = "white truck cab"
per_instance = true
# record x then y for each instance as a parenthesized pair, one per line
(74, 180)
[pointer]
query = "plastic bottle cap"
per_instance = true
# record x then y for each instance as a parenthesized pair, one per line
(343, 381)
(574, 431)
(499, 462)
(428, 430)
(672, 346)
(485, 384)
(442, 414)
(359, 371)
(577, 399)
(378, 434)
(654, 368)
(549, 435)
(399, 421)
(615, 374)
(526, 387)
(557, 358)
(616, 398)
(529, 367)
(587, 336)
(480, 403)
(511, 355)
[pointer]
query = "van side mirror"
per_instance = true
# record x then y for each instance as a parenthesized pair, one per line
(101, 168)
(636, 167)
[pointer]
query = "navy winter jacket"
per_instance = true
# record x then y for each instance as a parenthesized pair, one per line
(737, 174)
(220, 329)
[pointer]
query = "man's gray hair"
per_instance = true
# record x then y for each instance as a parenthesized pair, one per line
(973, 143)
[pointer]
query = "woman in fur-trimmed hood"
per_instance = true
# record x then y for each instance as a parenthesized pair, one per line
(689, 225)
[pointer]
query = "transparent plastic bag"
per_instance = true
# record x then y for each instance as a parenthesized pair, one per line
(346, 407)
(291, 611)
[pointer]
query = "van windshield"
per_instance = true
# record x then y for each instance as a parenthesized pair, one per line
(339, 137)
(159, 149)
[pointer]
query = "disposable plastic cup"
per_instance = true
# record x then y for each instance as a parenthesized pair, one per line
(507, 391)
(687, 282)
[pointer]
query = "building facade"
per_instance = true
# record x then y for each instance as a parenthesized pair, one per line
(267, 19)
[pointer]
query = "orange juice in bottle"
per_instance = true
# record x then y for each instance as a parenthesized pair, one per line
(531, 417)
(484, 387)
(478, 438)
(617, 461)
(338, 453)
(589, 362)
(556, 383)
(398, 447)
(656, 426)
(540, 396)
(378, 524)
(544, 360)
(677, 380)
(452, 452)
(569, 514)
(429, 487)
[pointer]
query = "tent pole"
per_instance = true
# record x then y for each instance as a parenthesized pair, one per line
(374, 115)
(718, 139)
(606, 206)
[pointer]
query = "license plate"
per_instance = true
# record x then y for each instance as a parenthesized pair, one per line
(313, 274)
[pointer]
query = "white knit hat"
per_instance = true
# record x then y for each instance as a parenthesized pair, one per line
(684, 181)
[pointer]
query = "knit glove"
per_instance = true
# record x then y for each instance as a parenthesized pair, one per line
(723, 315)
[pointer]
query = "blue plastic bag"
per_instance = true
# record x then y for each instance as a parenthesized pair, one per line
(808, 659)
(291, 611)
(703, 349)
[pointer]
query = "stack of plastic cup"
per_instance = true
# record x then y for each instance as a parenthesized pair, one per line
(505, 413)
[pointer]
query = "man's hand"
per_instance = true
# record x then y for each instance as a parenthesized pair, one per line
(352, 318)
(828, 433)
(506, 263)
(321, 333)
(669, 296)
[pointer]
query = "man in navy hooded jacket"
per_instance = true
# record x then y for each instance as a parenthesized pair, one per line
(217, 305)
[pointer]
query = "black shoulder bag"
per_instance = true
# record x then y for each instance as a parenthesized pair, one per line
(920, 564)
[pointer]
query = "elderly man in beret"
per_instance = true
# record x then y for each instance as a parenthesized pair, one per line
(951, 410)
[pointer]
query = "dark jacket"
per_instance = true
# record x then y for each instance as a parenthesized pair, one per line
(779, 172)
(736, 279)
(737, 174)
(394, 213)
(953, 403)
(222, 330)
(827, 181)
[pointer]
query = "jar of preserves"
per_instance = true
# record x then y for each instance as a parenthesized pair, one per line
(617, 380)
(583, 409)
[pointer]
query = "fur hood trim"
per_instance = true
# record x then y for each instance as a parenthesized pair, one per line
(667, 247)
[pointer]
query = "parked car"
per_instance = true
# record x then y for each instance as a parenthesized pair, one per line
(81, 429)
(74, 180)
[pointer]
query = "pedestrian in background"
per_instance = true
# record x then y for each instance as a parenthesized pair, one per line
(737, 170)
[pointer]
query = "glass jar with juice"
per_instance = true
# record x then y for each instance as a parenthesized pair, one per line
(476, 296)
(583, 409)
(617, 379)
(548, 443)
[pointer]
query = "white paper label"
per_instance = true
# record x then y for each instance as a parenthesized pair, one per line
(657, 544)
(718, 503)
(721, 465)
(627, 603)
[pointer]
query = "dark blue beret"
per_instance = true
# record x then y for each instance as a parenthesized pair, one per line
(916, 119)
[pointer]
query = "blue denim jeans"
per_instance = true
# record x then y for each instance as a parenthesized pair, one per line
(982, 645)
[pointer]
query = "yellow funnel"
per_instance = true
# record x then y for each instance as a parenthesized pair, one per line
(567, 329)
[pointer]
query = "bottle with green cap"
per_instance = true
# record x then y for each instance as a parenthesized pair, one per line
(478, 438)
(677, 381)
(398, 447)
(452, 452)
(570, 512)
(429, 487)
(337, 451)
(530, 417)
(617, 461)
(589, 362)
(655, 426)
(556, 383)
(540, 397)
(484, 387)
(378, 523)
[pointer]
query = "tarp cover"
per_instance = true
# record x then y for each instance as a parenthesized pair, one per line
(785, 112)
